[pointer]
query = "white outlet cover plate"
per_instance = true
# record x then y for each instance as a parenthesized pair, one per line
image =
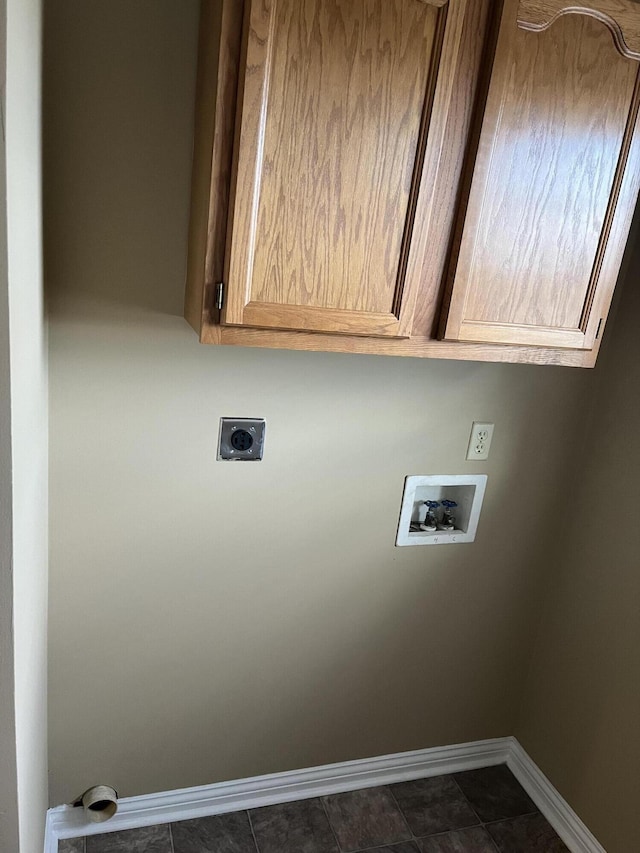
(471, 486)
(476, 441)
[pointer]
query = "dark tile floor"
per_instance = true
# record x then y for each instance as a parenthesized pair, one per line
(480, 811)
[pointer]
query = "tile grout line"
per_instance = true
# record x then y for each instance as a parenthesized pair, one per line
(414, 837)
(416, 840)
(466, 799)
(513, 817)
(489, 823)
(253, 832)
(494, 843)
(484, 824)
(492, 840)
(384, 846)
(326, 814)
(450, 831)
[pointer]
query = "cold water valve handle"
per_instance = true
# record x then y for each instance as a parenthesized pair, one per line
(448, 521)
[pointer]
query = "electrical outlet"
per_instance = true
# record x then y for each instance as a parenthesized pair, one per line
(480, 441)
(241, 439)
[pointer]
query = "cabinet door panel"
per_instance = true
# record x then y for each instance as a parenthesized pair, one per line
(336, 105)
(620, 16)
(555, 181)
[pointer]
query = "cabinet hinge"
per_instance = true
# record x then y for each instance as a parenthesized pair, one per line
(219, 295)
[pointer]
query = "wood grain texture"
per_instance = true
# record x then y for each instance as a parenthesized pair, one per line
(341, 137)
(312, 317)
(422, 343)
(334, 100)
(553, 153)
(626, 191)
(622, 17)
(417, 347)
(429, 222)
(201, 176)
(442, 192)
(222, 149)
(216, 89)
(435, 242)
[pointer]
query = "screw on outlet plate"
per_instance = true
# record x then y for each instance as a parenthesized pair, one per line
(479, 441)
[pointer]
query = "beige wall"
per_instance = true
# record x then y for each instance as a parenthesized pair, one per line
(582, 704)
(209, 620)
(23, 472)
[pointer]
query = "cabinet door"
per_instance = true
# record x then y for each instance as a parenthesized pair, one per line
(556, 177)
(340, 104)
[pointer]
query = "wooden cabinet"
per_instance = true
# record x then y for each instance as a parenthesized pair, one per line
(341, 105)
(445, 178)
(555, 178)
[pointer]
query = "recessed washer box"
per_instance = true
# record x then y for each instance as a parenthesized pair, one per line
(467, 490)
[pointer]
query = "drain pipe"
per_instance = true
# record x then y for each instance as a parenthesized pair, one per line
(99, 803)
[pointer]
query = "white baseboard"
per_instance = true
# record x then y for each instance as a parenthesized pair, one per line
(221, 797)
(557, 810)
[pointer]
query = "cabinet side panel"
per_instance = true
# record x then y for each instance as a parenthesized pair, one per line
(222, 155)
(216, 96)
(205, 113)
